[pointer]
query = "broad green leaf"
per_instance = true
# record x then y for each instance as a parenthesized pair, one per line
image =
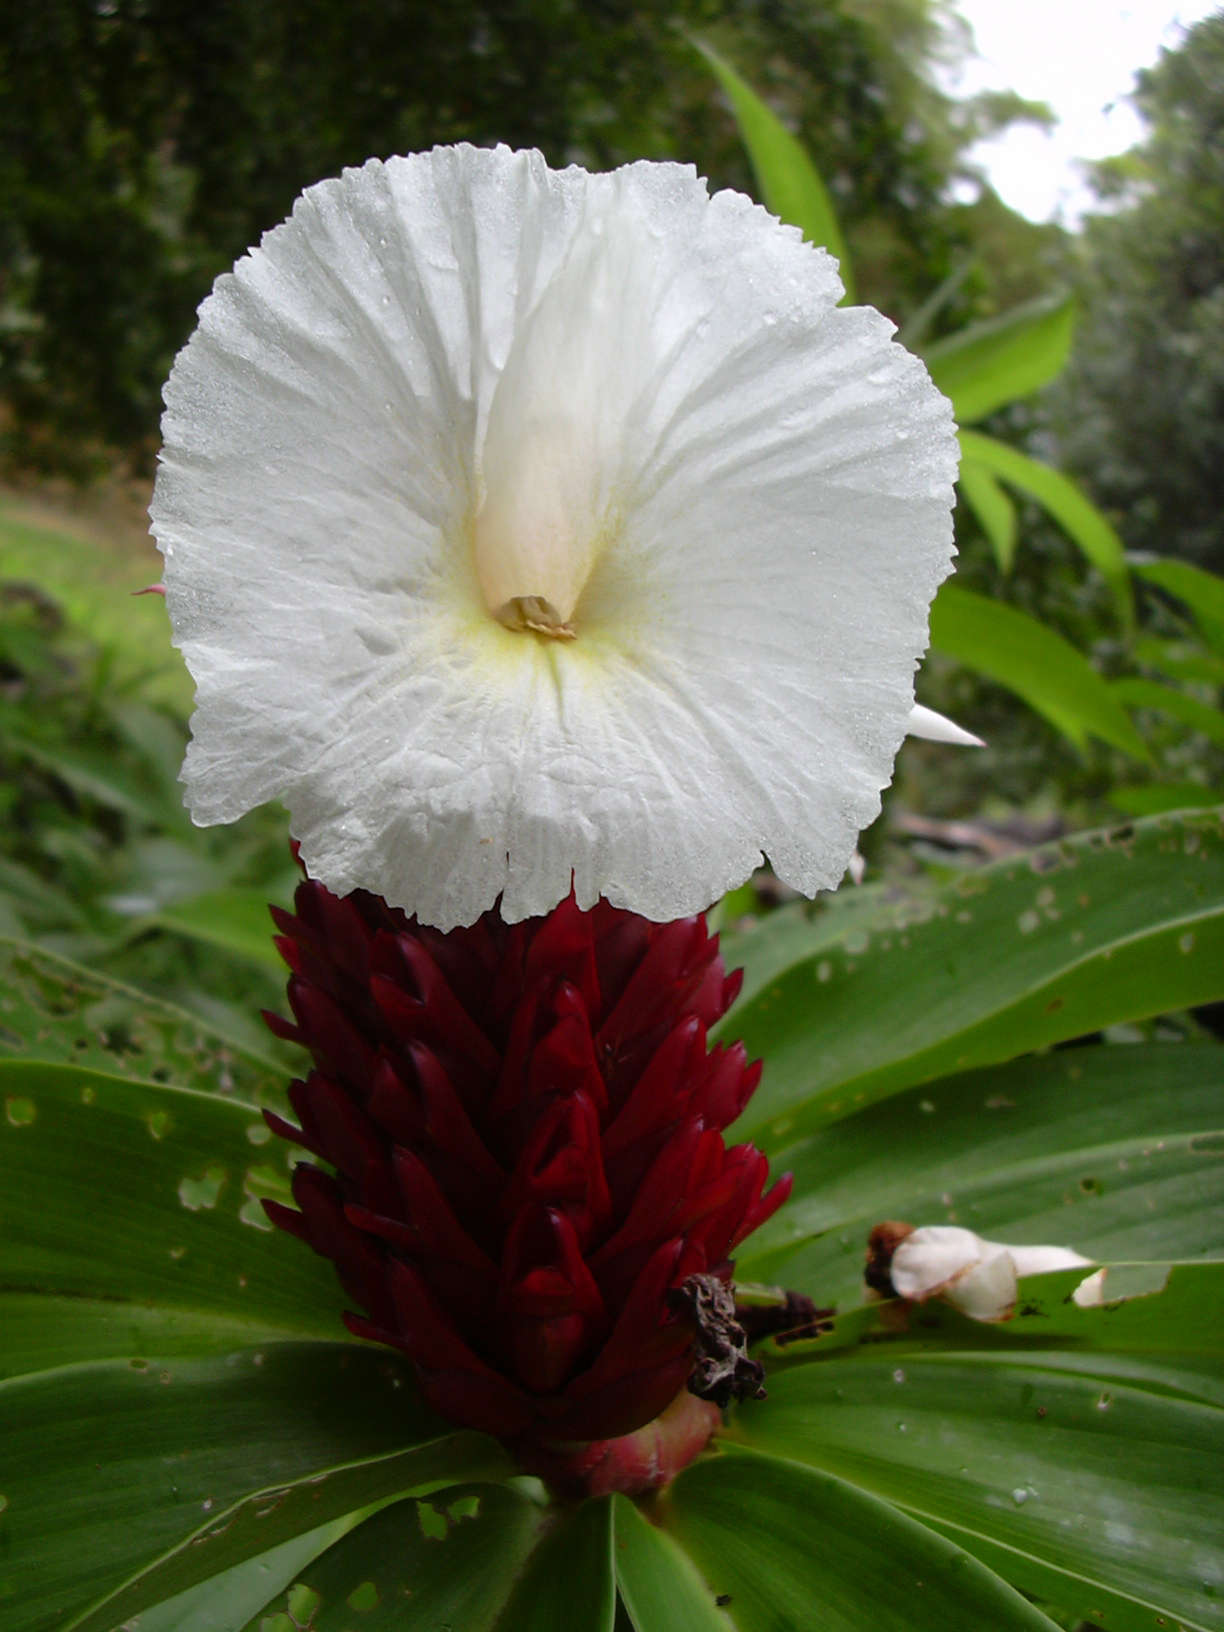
(1112, 1151)
(1102, 1499)
(235, 919)
(988, 364)
(1203, 592)
(1025, 953)
(569, 1584)
(1075, 514)
(791, 185)
(793, 1549)
(39, 1332)
(244, 1531)
(995, 512)
(777, 941)
(1154, 799)
(146, 1195)
(1052, 677)
(447, 1560)
(227, 1601)
(658, 1583)
(59, 1012)
(109, 1466)
(1178, 704)
(1173, 1309)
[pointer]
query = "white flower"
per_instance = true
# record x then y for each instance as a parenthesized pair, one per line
(523, 525)
(979, 1277)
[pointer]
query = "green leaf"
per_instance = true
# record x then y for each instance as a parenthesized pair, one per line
(1009, 647)
(790, 183)
(795, 1549)
(1156, 798)
(449, 1560)
(1112, 1151)
(59, 1012)
(988, 364)
(235, 919)
(1061, 498)
(111, 1466)
(1171, 1309)
(995, 512)
(1105, 1500)
(569, 1584)
(1178, 704)
(658, 1583)
(142, 1195)
(1203, 592)
(227, 1601)
(1096, 929)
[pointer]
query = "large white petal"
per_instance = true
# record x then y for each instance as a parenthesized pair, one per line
(452, 375)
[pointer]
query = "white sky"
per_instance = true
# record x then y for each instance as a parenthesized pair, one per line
(1080, 56)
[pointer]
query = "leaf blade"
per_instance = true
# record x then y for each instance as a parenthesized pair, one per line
(791, 185)
(1109, 1487)
(995, 512)
(1099, 928)
(1071, 509)
(988, 364)
(1035, 662)
(658, 1582)
(779, 1538)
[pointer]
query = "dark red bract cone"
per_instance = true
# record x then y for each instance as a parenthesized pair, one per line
(525, 1124)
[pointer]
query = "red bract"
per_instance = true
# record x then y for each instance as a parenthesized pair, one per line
(525, 1124)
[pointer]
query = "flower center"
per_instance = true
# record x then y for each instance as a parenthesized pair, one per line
(536, 537)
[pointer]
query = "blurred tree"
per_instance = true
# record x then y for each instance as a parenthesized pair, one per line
(1142, 417)
(144, 144)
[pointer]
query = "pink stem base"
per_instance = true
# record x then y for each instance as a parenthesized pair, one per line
(634, 1464)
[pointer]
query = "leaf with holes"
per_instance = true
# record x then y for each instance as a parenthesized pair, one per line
(1016, 956)
(1113, 1151)
(57, 1011)
(131, 1213)
(450, 1559)
(111, 1467)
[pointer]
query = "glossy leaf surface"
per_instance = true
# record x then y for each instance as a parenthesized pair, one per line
(794, 1549)
(1113, 1488)
(447, 1560)
(1061, 498)
(659, 1585)
(226, 1602)
(988, 364)
(144, 1195)
(1035, 662)
(108, 1466)
(791, 186)
(569, 1584)
(1012, 957)
(1114, 1151)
